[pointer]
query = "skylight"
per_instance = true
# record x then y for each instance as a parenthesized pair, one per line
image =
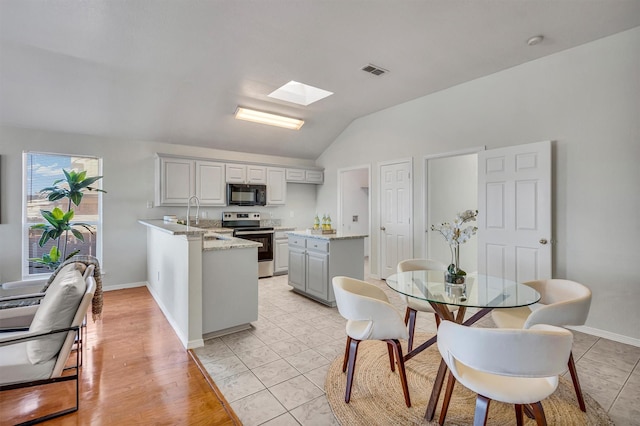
(299, 93)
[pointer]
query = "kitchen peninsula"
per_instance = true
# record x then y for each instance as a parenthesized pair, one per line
(205, 282)
(314, 259)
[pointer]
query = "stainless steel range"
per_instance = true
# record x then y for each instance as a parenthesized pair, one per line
(247, 226)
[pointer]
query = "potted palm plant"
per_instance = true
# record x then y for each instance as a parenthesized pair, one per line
(59, 223)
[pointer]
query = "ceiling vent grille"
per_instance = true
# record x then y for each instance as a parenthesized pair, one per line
(374, 69)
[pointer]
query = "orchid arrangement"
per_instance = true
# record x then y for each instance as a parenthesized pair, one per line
(455, 233)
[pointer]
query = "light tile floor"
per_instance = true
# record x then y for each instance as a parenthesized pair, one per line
(274, 373)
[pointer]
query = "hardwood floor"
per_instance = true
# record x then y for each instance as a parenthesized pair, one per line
(135, 371)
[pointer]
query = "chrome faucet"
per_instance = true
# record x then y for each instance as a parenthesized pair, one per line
(193, 197)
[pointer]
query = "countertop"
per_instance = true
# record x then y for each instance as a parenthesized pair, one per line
(212, 238)
(172, 228)
(337, 236)
(214, 241)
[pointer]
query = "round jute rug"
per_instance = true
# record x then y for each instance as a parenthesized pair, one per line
(376, 396)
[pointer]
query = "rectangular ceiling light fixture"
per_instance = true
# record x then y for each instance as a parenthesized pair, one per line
(267, 118)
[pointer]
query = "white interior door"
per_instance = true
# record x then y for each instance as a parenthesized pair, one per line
(514, 219)
(396, 210)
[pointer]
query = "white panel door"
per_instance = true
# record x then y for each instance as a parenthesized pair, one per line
(514, 219)
(396, 210)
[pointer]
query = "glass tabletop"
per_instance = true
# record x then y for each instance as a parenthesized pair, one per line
(479, 291)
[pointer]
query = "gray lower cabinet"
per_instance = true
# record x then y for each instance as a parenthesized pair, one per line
(281, 253)
(313, 262)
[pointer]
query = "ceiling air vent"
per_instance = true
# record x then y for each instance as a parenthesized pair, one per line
(375, 70)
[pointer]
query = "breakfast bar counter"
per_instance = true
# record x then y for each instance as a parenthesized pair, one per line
(205, 282)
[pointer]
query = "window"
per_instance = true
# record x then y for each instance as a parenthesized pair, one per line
(41, 170)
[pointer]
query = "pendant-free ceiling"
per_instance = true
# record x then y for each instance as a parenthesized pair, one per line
(268, 118)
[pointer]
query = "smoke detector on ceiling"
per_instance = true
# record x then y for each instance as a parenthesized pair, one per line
(535, 40)
(374, 69)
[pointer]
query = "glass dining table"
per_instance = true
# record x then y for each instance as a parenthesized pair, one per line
(479, 291)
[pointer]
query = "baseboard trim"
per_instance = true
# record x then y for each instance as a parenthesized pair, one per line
(124, 286)
(607, 335)
(167, 314)
(226, 331)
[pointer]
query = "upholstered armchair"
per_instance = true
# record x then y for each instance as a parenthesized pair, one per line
(39, 356)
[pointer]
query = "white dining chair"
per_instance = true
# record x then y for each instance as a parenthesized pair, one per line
(514, 366)
(416, 305)
(369, 316)
(562, 303)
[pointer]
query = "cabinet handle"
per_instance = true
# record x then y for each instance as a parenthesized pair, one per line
(382, 228)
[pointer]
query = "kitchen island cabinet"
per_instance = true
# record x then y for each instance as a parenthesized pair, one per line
(315, 259)
(281, 251)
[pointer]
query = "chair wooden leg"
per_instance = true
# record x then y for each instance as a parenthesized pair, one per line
(447, 398)
(346, 355)
(353, 351)
(412, 327)
(437, 320)
(538, 412)
(528, 411)
(401, 370)
(576, 382)
(391, 361)
(518, 408)
(406, 315)
(482, 409)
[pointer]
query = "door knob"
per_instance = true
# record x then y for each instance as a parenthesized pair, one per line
(543, 241)
(382, 228)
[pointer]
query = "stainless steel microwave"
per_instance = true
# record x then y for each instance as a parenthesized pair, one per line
(246, 195)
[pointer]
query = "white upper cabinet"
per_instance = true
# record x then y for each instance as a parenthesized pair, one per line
(210, 183)
(177, 179)
(305, 176)
(276, 186)
(246, 173)
(257, 174)
(314, 176)
(174, 181)
(295, 175)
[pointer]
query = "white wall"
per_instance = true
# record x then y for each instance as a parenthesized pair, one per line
(355, 202)
(452, 187)
(587, 100)
(128, 168)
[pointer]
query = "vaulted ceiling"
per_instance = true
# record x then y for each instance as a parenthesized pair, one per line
(175, 71)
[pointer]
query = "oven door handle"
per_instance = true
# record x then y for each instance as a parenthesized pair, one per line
(241, 233)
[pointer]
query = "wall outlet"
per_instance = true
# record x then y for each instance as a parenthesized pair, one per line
(205, 215)
(291, 213)
(149, 204)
